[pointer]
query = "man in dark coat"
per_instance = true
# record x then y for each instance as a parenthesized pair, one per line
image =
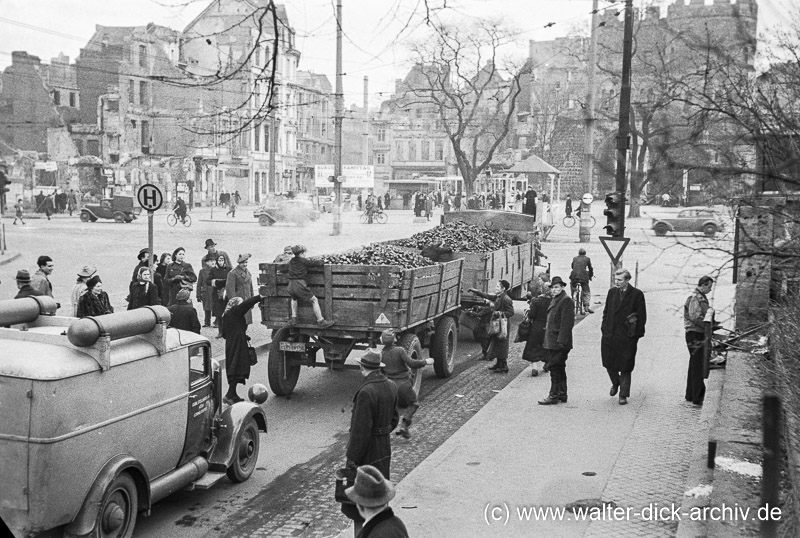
(582, 272)
(558, 340)
(529, 205)
(24, 285)
(624, 317)
(184, 315)
(372, 492)
(537, 314)
(374, 417)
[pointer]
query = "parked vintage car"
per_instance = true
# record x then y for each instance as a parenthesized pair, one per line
(702, 220)
(280, 210)
(119, 208)
(105, 416)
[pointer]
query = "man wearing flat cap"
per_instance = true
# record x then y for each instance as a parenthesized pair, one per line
(558, 340)
(374, 417)
(24, 285)
(240, 283)
(372, 492)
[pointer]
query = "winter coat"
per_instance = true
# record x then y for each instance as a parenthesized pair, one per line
(143, 295)
(498, 347)
(41, 283)
(620, 339)
(560, 320)
(205, 293)
(217, 278)
(534, 350)
(240, 284)
(26, 291)
(184, 316)
(582, 270)
(94, 305)
(77, 290)
(234, 331)
(374, 417)
(163, 287)
(177, 277)
(384, 525)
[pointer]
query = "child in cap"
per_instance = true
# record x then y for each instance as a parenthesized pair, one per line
(298, 287)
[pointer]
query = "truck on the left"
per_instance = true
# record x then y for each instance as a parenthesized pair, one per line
(104, 416)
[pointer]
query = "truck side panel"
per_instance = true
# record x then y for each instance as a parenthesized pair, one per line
(14, 463)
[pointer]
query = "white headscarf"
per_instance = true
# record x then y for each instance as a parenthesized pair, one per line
(236, 301)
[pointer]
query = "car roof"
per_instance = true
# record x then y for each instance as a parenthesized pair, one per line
(50, 361)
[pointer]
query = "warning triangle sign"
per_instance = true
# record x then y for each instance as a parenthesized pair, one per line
(612, 244)
(382, 320)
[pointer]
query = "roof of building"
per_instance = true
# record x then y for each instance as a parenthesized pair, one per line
(533, 165)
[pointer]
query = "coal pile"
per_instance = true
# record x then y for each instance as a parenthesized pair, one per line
(379, 255)
(459, 236)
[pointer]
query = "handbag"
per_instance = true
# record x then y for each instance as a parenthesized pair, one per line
(251, 353)
(523, 329)
(345, 478)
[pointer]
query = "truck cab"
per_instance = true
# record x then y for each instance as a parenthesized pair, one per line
(104, 416)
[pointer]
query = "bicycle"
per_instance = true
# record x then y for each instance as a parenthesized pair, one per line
(577, 298)
(377, 216)
(569, 221)
(172, 220)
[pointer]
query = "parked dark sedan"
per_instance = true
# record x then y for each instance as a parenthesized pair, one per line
(702, 220)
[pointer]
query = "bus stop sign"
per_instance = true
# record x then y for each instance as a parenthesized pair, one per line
(150, 197)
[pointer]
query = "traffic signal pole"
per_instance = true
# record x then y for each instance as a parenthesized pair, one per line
(623, 135)
(337, 126)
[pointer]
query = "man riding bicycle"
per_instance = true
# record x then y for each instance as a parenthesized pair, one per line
(369, 205)
(582, 273)
(180, 209)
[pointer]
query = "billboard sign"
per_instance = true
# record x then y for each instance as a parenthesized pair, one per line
(356, 176)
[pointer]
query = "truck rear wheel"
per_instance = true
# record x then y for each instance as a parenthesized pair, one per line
(413, 347)
(245, 452)
(117, 513)
(283, 375)
(443, 346)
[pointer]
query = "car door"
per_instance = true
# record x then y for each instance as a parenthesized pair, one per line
(683, 221)
(104, 211)
(201, 403)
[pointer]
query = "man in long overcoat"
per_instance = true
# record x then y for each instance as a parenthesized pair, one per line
(558, 340)
(374, 417)
(529, 205)
(240, 283)
(624, 318)
(534, 350)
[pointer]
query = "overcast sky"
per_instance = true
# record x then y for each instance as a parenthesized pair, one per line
(371, 47)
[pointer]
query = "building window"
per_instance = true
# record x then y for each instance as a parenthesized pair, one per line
(400, 150)
(73, 101)
(143, 97)
(113, 157)
(257, 137)
(131, 92)
(439, 150)
(93, 147)
(426, 151)
(146, 137)
(381, 134)
(380, 158)
(412, 150)
(79, 146)
(57, 97)
(112, 105)
(142, 56)
(257, 58)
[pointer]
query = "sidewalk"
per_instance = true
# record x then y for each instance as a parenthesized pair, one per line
(514, 454)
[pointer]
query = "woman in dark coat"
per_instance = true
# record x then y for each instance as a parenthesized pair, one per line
(237, 356)
(217, 278)
(179, 274)
(161, 271)
(95, 301)
(498, 347)
(142, 291)
(534, 351)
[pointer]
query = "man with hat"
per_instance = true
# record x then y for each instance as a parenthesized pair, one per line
(80, 288)
(372, 492)
(240, 283)
(184, 315)
(142, 257)
(398, 369)
(211, 247)
(558, 340)
(24, 285)
(374, 417)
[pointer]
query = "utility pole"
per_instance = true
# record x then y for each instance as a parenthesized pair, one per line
(585, 230)
(365, 149)
(272, 145)
(337, 125)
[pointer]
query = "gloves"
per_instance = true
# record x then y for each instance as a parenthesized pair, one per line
(429, 362)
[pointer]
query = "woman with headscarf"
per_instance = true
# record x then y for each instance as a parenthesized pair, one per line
(498, 347)
(217, 278)
(95, 301)
(80, 286)
(179, 274)
(237, 355)
(143, 292)
(161, 271)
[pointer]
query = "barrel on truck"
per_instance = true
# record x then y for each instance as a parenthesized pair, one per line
(422, 305)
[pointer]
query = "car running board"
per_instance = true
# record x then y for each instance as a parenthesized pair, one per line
(208, 480)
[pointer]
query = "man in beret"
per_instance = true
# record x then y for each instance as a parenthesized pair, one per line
(372, 492)
(184, 315)
(24, 285)
(374, 417)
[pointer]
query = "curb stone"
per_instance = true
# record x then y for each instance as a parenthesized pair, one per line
(9, 258)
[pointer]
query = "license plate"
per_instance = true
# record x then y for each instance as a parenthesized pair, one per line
(292, 346)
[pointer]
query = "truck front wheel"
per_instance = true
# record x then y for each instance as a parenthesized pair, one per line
(413, 347)
(282, 374)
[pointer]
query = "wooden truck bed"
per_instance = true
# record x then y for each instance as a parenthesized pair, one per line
(482, 269)
(365, 298)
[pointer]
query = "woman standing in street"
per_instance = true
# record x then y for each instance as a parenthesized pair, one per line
(537, 314)
(80, 286)
(95, 301)
(237, 355)
(216, 280)
(179, 274)
(498, 346)
(142, 291)
(161, 271)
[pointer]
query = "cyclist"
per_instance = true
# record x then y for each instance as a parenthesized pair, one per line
(582, 273)
(180, 209)
(369, 205)
(568, 206)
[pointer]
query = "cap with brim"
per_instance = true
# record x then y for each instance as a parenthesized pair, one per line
(87, 271)
(557, 280)
(243, 258)
(23, 276)
(371, 360)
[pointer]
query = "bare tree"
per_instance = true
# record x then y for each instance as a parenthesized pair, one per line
(472, 95)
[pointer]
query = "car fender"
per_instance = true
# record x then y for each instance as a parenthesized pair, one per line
(667, 223)
(712, 221)
(92, 213)
(83, 524)
(229, 423)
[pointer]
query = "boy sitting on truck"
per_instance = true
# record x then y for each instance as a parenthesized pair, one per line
(298, 287)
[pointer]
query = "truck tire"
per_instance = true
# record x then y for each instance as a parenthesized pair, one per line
(116, 515)
(245, 452)
(413, 347)
(85, 216)
(119, 217)
(443, 346)
(281, 380)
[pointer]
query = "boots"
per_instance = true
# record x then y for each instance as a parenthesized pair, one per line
(406, 421)
(501, 367)
(553, 398)
(562, 391)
